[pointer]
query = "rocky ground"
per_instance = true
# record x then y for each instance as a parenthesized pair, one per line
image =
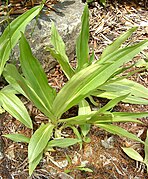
(103, 154)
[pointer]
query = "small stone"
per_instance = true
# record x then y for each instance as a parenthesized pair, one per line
(108, 143)
(63, 175)
(60, 164)
(88, 151)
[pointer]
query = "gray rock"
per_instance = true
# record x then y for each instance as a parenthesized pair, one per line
(67, 17)
(63, 175)
(68, 21)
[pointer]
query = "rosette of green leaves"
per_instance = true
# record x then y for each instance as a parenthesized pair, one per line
(87, 78)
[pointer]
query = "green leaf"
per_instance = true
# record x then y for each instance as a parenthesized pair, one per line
(17, 137)
(82, 48)
(12, 104)
(29, 91)
(35, 74)
(84, 169)
(126, 85)
(88, 79)
(133, 154)
(119, 131)
(63, 142)
(59, 53)
(111, 94)
(12, 34)
(138, 93)
(39, 141)
(78, 120)
(141, 63)
(12, 81)
(117, 43)
(34, 163)
(94, 103)
(9, 89)
(130, 115)
(103, 2)
(92, 58)
(112, 103)
(76, 132)
(84, 108)
(100, 120)
(88, 1)
(126, 53)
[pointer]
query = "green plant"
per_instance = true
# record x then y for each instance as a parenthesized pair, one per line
(136, 156)
(88, 78)
(8, 40)
(12, 34)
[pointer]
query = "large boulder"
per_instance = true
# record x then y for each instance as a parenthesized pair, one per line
(67, 17)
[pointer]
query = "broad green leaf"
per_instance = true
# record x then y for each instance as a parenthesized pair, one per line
(80, 120)
(119, 131)
(34, 163)
(101, 117)
(84, 108)
(133, 154)
(66, 68)
(12, 104)
(13, 83)
(126, 53)
(9, 89)
(98, 120)
(17, 137)
(12, 34)
(76, 89)
(117, 43)
(39, 141)
(138, 93)
(111, 95)
(88, 79)
(82, 48)
(59, 53)
(28, 90)
(126, 86)
(63, 142)
(112, 103)
(92, 118)
(130, 114)
(35, 74)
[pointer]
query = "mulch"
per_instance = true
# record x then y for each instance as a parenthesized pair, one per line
(17, 7)
(107, 162)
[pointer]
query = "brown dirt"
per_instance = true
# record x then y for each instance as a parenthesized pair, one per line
(103, 154)
(17, 7)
